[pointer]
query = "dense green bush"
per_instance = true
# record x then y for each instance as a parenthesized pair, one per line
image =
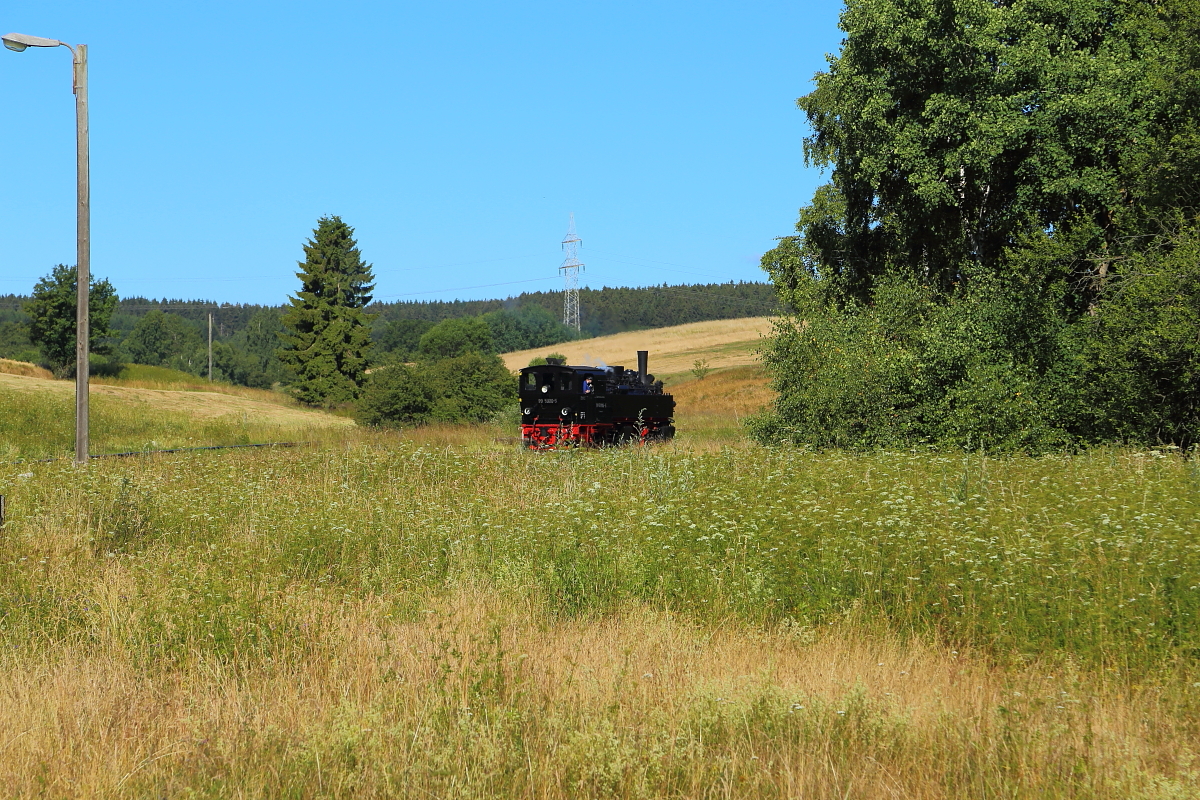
(1000, 365)
(397, 394)
(472, 387)
(910, 367)
(454, 337)
(1140, 365)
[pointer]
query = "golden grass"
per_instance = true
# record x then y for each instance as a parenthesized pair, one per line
(710, 411)
(722, 343)
(349, 622)
(482, 695)
(260, 405)
(737, 392)
(198, 385)
(24, 368)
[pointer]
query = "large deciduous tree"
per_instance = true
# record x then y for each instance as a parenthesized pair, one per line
(996, 169)
(52, 317)
(165, 340)
(958, 128)
(327, 333)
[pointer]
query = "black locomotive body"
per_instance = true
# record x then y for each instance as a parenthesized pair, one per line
(565, 406)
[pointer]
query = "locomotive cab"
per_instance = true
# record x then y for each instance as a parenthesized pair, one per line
(586, 405)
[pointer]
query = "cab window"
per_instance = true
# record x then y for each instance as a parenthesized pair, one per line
(531, 380)
(566, 383)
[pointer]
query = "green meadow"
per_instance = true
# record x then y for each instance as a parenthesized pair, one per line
(442, 614)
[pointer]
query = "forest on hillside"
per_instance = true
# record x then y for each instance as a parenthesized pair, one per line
(173, 333)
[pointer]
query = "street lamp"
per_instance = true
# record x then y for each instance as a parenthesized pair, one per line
(18, 42)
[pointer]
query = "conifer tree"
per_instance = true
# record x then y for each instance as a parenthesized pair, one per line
(327, 334)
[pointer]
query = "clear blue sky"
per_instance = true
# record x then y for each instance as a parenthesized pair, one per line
(456, 137)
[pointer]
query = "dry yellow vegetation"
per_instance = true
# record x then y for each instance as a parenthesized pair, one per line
(197, 404)
(10, 367)
(673, 351)
(484, 696)
(737, 391)
(394, 619)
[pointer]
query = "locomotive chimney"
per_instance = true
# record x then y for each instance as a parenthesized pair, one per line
(643, 365)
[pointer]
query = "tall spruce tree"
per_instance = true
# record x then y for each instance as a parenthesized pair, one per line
(326, 332)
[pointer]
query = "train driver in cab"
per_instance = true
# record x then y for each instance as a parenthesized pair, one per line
(587, 385)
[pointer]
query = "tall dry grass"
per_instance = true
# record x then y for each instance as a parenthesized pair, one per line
(388, 617)
(24, 369)
(711, 411)
(477, 694)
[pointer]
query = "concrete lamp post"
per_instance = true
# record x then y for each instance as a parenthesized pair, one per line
(18, 42)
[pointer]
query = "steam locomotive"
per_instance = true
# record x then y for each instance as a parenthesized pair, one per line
(569, 405)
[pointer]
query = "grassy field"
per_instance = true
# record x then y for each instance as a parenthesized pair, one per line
(39, 416)
(435, 613)
(673, 351)
(363, 620)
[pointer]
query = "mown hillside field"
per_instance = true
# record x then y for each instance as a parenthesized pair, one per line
(146, 414)
(673, 351)
(437, 613)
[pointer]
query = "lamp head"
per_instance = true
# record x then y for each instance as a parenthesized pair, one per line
(19, 41)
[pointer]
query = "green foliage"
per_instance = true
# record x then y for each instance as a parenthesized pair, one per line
(328, 335)
(52, 317)
(397, 395)
(249, 356)
(246, 336)
(981, 370)
(455, 337)
(400, 338)
(472, 387)
(956, 128)
(975, 273)
(15, 343)
(1141, 350)
(528, 327)
(166, 340)
(543, 360)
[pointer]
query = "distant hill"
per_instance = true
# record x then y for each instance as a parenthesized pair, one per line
(612, 310)
(604, 311)
(718, 344)
(245, 340)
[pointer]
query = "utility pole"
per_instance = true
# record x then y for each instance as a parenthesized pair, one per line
(570, 270)
(19, 42)
(83, 255)
(210, 347)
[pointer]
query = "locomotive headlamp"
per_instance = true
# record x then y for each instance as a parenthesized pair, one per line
(545, 388)
(528, 411)
(565, 411)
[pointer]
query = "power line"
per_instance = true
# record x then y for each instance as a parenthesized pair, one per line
(464, 288)
(272, 277)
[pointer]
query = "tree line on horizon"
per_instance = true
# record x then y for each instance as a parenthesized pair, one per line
(322, 346)
(1007, 253)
